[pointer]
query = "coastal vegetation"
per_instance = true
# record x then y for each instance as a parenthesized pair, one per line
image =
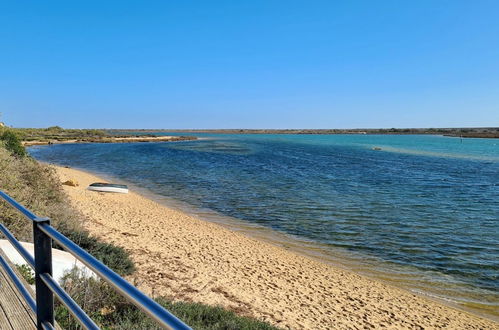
(27, 273)
(13, 143)
(469, 132)
(57, 134)
(111, 311)
(36, 186)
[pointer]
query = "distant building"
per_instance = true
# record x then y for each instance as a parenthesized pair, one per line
(2, 124)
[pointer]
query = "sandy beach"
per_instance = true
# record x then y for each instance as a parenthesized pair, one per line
(189, 259)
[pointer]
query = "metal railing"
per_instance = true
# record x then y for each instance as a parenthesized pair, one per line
(47, 287)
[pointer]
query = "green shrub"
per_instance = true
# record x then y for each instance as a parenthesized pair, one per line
(94, 296)
(113, 256)
(111, 311)
(198, 316)
(55, 129)
(27, 273)
(13, 143)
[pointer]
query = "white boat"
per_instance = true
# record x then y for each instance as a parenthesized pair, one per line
(108, 187)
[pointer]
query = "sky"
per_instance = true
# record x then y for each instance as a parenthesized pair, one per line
(249, 64)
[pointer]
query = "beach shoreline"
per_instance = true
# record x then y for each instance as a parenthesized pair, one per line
(190, 259)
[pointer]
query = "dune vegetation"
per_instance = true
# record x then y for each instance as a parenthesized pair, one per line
(58, 133)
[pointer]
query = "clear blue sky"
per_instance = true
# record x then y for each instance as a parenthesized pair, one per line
(249, 64)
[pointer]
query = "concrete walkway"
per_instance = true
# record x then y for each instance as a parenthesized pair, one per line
(62, 261)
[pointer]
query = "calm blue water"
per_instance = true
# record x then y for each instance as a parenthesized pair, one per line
(428, 205)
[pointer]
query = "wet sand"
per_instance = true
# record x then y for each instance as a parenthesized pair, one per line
(185, 258)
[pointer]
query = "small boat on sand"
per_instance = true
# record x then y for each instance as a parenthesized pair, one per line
(108, 187)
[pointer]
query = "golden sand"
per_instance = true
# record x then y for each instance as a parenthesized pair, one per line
(185, 258)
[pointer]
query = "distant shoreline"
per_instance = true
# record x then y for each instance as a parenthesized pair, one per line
(478, 132)
(110, 139)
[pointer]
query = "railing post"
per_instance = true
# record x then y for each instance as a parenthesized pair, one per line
(43, 264)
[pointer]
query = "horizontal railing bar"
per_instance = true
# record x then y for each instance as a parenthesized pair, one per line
(71, 305)
(17, 245)
(47, 326)
(149, 306)
(30, 215)
(19, 285)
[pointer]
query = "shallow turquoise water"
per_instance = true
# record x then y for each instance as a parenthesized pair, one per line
(425, 205)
